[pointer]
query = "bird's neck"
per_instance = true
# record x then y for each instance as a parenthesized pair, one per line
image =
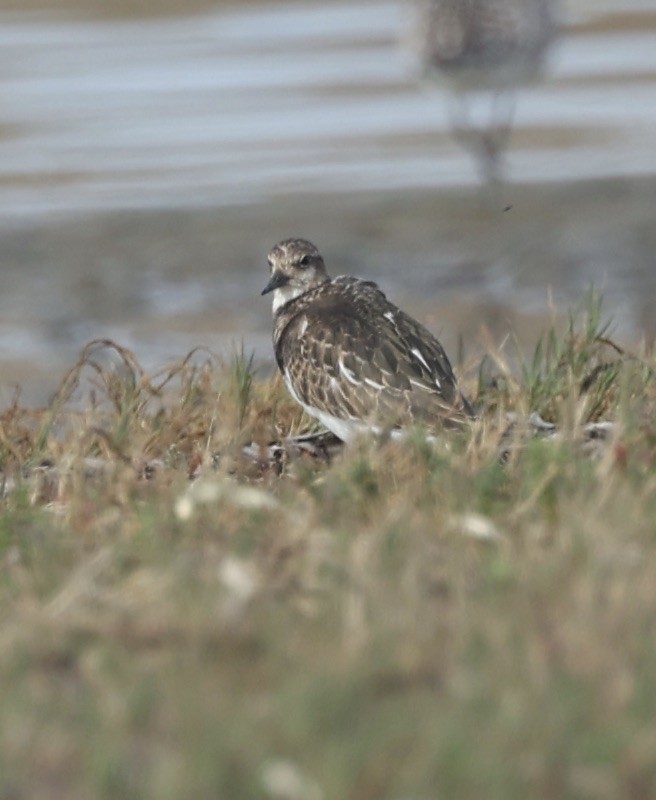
(285, 294)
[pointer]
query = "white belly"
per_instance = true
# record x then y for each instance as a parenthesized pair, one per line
(344, 429)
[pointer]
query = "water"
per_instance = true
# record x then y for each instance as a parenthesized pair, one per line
(147, 165)
(212, 109)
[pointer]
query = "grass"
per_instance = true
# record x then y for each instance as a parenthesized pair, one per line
(410, 621)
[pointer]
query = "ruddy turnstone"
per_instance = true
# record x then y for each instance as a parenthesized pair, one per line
(351, 358)
(488, 47)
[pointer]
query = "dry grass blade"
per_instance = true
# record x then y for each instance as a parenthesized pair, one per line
(303, 619)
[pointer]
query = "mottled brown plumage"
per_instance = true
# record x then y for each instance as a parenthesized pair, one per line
(488, 46)
(349, 356)
(503, 41)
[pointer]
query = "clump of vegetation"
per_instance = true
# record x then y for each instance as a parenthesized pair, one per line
(187, 612)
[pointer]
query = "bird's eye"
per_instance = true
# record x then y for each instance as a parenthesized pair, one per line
(305, 261)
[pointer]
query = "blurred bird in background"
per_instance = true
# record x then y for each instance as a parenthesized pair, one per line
(483, 51)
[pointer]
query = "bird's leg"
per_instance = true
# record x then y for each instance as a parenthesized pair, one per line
(494, 141)
(504, 105)
(497, 134)
(467, 134)
(460, 123)
(490, 163)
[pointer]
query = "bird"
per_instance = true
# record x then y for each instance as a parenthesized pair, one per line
(483, 47)
(350, 357)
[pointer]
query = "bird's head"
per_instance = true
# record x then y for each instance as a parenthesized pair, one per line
(296, 267)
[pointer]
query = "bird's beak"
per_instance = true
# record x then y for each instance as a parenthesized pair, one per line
(278, 279)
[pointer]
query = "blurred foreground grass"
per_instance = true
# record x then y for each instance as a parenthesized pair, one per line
(410, 621)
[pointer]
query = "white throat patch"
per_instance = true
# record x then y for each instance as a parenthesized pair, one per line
(284, 294)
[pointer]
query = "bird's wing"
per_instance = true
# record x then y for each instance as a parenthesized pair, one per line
(354, 355)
